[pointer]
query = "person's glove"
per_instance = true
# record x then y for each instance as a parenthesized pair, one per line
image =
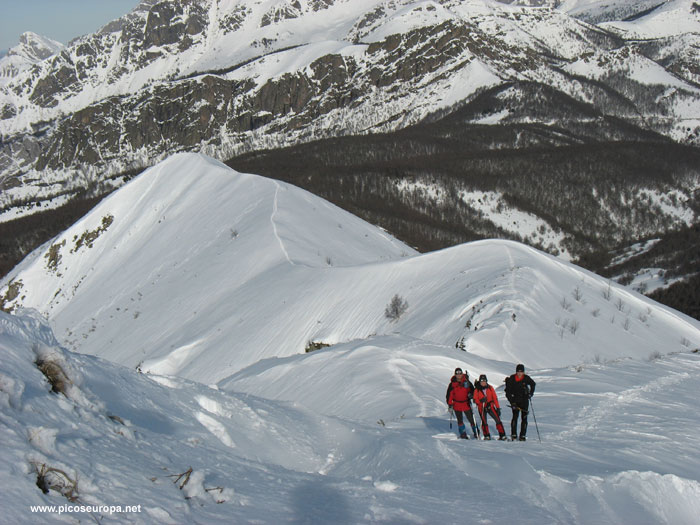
(530, 396)
(498, 411)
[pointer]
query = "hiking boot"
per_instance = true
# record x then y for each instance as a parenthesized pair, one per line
(487, 438)
(502, 437)
(463, 435)
(522, 438)
(514, 438)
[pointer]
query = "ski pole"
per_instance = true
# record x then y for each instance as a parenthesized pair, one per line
(452, 413)
(532, 407)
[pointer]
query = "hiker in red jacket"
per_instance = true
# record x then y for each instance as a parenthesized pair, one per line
(458, 396)
(487, 403)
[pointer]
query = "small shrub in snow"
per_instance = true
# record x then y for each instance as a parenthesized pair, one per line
(49, 478)
(53, 256)
(563, 327)
(626, 324)
(596, 312)
(90, 236)
(607, 293)
(312, 346)
(396, 308)
(565, 305)
(574, 326)
(185, 477)
(620, 305)
(13, 289)
(654, 356)
(685, 342)
(577, 294)
(54, 373)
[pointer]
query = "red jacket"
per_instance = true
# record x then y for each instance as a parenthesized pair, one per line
(459, 393)
(487, 395)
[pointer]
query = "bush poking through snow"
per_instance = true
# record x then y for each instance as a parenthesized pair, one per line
(577, 294)
(565, 305)
(185, 477)
(49, 478)
(312, 346)
(396, 308)
(54, 373)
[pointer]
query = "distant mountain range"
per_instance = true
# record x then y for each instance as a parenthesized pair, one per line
(493, 118)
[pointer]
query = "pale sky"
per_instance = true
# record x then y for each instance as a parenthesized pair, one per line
(61, 20)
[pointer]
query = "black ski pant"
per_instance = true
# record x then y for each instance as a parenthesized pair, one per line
(490, 410)
(520, 408)
(459, 414)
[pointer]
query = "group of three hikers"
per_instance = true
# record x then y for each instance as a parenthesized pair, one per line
(460, 393)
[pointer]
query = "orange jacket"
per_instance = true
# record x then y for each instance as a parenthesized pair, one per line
(485, 396)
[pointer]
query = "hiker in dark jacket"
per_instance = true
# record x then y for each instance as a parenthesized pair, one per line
(519, 389)
(487, 402)
(458, 397)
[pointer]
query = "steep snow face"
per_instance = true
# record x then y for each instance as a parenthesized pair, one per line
(195, 270)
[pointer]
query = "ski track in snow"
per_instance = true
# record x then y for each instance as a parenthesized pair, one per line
(601, 415)
(274, 225)
(395, 365)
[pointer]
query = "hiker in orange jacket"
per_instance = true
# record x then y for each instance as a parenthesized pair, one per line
(487, 403)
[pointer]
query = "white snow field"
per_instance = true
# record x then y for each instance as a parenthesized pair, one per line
(212, 283)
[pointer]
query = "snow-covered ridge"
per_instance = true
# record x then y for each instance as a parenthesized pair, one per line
(236, 268)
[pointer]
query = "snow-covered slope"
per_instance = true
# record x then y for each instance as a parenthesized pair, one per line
(673, 17)
(195, 270)
(618, 442)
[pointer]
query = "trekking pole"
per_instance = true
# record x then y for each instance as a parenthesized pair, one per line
(532, 408)
(452, 413)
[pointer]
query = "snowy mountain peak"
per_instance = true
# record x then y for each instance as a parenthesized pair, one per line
(35, 47)
(32, 48)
